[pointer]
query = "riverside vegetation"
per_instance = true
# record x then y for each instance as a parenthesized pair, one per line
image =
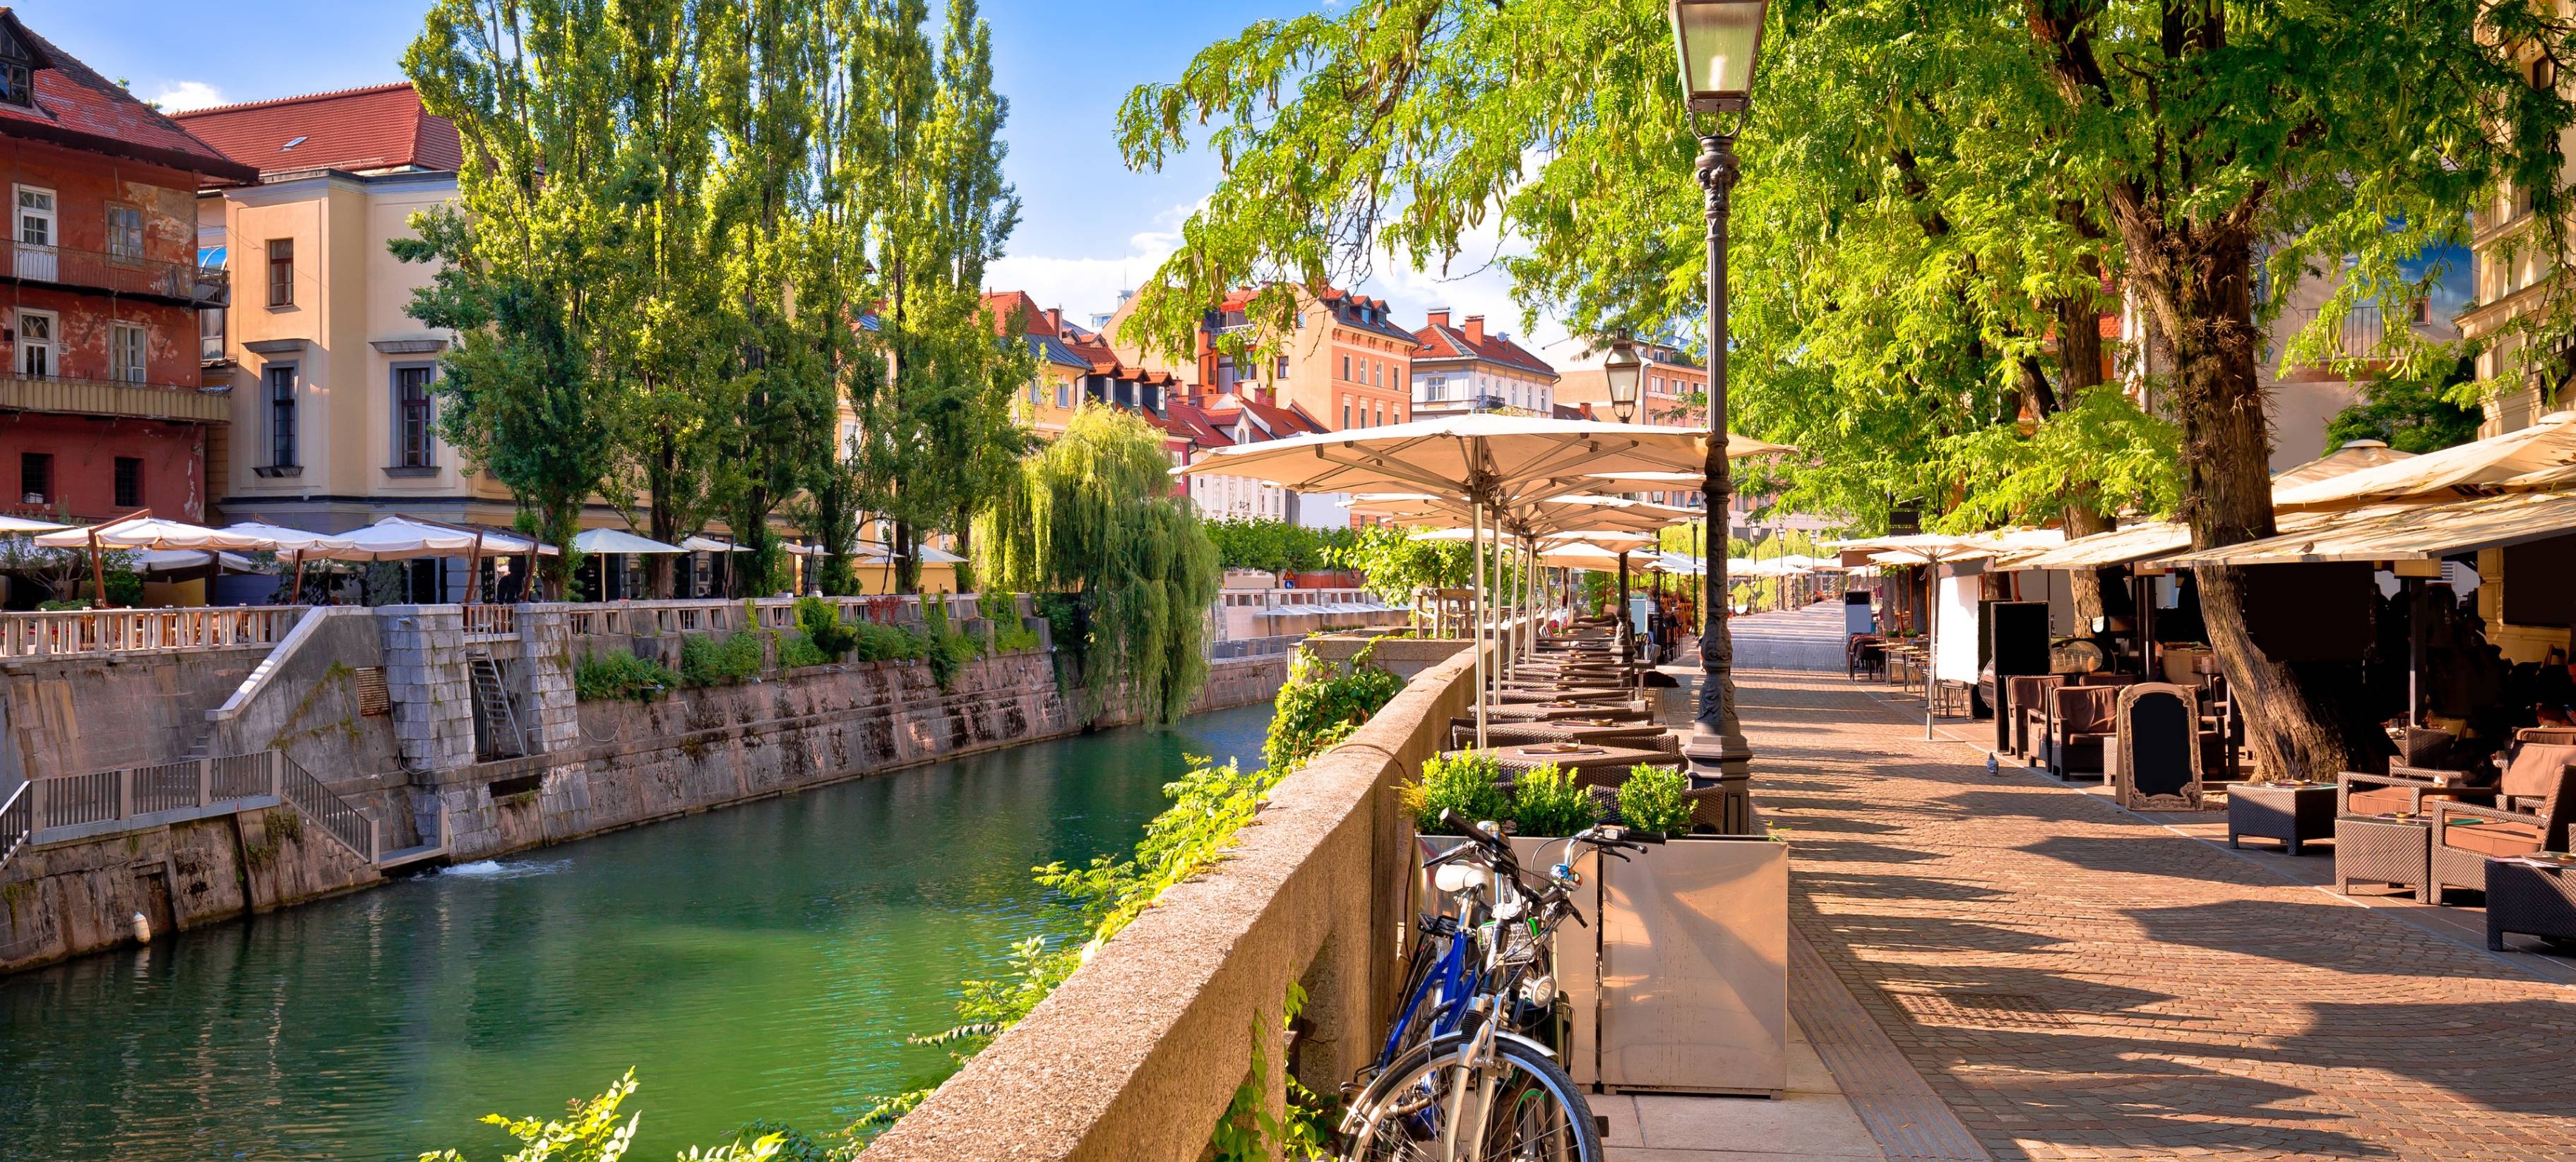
(1211, 802)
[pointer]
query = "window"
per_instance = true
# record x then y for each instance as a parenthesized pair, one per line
(281, 272)
(124, 230)
(210, 334)
(17, 70)
(36, 345)
(1346, 414)
(125, 352)
(1346, 367)
(2423, 311)
(35, 478)
(1283, 367)
(1064, 395)
(36, 234)
(412, 444)
(281, 415)
(129, 482)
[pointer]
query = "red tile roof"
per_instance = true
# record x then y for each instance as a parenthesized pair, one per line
(78, 108)
(1004, 303)
(1201, 428)
(381, 127)
(1440, 342)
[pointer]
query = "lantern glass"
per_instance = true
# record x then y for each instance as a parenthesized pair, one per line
(1718, 40)
(1622, 368)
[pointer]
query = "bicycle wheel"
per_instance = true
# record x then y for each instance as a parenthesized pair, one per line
(1532, 1112)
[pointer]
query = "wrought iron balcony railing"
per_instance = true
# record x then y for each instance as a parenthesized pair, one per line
(185, 283)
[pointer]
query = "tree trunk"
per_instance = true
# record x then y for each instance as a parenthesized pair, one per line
(2299, 724)
(664, 519)
(2079, 370)
(907, 559)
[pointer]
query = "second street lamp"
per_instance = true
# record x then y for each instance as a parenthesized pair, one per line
(1718, 41)
(1621, 368)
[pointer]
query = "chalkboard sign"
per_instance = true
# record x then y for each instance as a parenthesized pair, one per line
(2159, 748)
(2017, 643)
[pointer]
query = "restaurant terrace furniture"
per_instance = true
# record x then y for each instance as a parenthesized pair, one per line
(2372, 849)
(1643, 736)
(1587, 695)
(2081, 724)
(1590, 764)
(1864, 653)
(1527, 712)
(2294, 813)
(2532, 898)
(2403, 790)
(2538, 800)
(2024, 697)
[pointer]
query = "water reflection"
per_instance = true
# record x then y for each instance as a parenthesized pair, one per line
(760, 961)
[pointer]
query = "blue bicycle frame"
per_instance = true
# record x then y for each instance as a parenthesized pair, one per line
(1455, 979)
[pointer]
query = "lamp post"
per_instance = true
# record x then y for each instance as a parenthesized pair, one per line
(1621, 367)
(1718, 41)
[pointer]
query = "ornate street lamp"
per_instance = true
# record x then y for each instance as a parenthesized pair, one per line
(1718, 41)
(1622, 368)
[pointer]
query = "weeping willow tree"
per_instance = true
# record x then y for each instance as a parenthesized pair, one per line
(1093, 516)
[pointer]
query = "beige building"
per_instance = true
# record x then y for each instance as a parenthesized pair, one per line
(1465, 368)
(334, 416)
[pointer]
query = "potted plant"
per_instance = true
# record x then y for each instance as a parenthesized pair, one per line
(1694, 954)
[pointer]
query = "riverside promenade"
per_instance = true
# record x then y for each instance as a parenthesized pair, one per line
(2005, 966)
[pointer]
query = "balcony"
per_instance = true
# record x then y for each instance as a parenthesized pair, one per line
(183, 283)
(102, 397)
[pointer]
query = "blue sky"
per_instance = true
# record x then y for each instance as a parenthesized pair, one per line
(1089, 226)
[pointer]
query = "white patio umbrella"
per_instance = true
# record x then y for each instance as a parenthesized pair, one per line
(621, 542)
(20, 526)
(2449, 474)
(299, 544)
(404, 538)
(1929, 549)
(711, 545)
(143, 531)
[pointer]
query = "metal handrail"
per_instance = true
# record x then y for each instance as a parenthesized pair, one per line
(340, 819)
(203, 286)
(17, 822)
(96, 797)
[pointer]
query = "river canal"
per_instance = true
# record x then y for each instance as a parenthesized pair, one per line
(762, 961)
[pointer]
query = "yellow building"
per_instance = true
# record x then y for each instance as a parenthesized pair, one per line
(334, 415)
(1347, 365)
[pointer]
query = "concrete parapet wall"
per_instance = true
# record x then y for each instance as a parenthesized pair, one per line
(1136, 1055)
(1404, 656)
(95, 712)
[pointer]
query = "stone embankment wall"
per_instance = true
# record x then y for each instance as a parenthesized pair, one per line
(598, 766)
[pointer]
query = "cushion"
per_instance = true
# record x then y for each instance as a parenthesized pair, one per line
(2380, 801)
(2537, 770)
(2490, 838)
(2085, 709)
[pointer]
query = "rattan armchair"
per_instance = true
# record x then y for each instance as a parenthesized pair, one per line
(2401, 791)
(2538, 803)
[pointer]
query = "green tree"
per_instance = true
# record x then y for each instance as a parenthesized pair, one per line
(1093, 515)
(2409, 415)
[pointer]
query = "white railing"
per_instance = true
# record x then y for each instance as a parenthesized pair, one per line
(17, 822)
(485, 621)
(106, 631)
(106, 797)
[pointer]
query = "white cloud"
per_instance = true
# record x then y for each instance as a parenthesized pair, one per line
(1087, 286)
(181, 96)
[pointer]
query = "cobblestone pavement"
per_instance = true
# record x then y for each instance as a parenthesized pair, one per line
(2078, 982)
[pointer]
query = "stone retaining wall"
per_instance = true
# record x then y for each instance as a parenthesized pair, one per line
(1135, 1056)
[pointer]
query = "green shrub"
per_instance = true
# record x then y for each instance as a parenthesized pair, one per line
(1463, 783)
(796, 651)
(705, 661)
(1548, 801)
(821, 620)
(949, 654)
(1322, 703)
(1011, 637)
(620, 676)
(1652, 800)
(871, 642)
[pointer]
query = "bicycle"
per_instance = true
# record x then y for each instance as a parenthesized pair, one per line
(1468, 1081)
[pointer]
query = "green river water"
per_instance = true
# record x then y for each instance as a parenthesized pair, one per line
(762, 961)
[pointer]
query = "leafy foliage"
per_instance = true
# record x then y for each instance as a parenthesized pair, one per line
(1275, 546)
(1248, 1132)
(619, 675)
(2407, 414)
(1549, 801)
(1396, 565)
(1464, 784)
(830, 636)
(871, 642)
(1093, 515)
(594, 1131)
(1652, 800)
(1322, 702)
(706, 660)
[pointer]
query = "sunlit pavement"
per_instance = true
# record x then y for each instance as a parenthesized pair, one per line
(2073, 980)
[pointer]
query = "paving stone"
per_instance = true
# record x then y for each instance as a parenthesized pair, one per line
(2078, 982)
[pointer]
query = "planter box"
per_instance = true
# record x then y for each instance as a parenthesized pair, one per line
(1694, 983)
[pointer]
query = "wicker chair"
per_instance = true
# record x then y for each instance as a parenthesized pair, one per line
(2026, 707)
(1647, 736)
(2401, 791)
(2537, 803)
(2081, 724)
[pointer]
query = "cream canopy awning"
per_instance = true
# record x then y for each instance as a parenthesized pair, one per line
(619, 541)
(2353, 456)
(2405, 533)
(711, 545)
(152, 532)
(401, 538)
(2544, 447)
(1495, 457)
(15, 526)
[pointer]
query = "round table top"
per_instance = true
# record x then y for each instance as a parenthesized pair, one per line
(1577, 757)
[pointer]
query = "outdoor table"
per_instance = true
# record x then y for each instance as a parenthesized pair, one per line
(2531, 895)
(2293, 813)
(1541, 713)
(1579, 696)
(1590, 765)
(2385, 849)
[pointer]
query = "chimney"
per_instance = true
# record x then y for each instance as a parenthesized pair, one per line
(1475, 328)
(1055, 320)
(1440, 318)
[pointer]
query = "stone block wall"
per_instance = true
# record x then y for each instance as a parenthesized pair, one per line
(433, 699)
(537, 670)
